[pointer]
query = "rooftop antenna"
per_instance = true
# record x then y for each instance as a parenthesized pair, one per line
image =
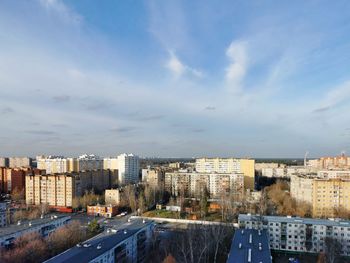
(306, 154)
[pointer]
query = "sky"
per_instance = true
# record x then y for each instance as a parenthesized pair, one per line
(175, 78)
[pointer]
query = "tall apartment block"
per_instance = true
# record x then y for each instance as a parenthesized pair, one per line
(4, 162)
(153, 177)
(297, 234)
(326, 195)
(15, 162)
(58, 190)
(128, 168)
(229, 165)
(192, 184)
(60, 164)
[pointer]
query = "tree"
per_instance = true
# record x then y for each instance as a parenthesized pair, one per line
(204, 202)
(17, 195)
(93, 227)
(333, 249)
(141, 202)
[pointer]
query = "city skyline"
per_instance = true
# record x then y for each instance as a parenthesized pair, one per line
(174, 78)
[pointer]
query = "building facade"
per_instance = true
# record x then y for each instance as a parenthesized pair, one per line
(107, 211)
(301, 187)
(3, 209)
(192, 184)
(128, 168)
(153, 177)
(43, 226)
(15, 162)
(297, 234)
(229, 165)
(112, 196)
(59, 190)
(4, 162)
(130, 243)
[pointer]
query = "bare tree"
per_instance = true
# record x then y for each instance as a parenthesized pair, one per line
(333, 249)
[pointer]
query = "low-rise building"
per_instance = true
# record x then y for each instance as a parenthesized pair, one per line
(44, 226)
(129, 242)
(112, 196)
(102, 210)
(250, 245)
(296, 234)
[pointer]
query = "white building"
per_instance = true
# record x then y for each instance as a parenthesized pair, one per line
(297, 234)
(128, 168)
(112, 196)
(43, 226)
(20, 162)
(130, 242)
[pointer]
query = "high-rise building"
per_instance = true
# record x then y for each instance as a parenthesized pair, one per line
(15, 162)
(128, 168)
(153, 177)
(216, 184)
(4, 162)
(60, 164)
(59, 190)
(229, 165)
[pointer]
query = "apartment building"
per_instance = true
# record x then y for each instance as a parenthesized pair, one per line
(128, 168)
(341, 161)
(343, 174)
(4, 162)
(60, 164)
(14, 178)
(15, 162)
(112, 196)
(229, 165)
(250, 245)
(297, 234)
(44, 226)
(301, 187)
(193, 183)
(58, 190)
(153, 177)
(131, 242)
(329, 196)
(326, 195)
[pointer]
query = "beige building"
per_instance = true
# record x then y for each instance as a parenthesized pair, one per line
(153, 177)
(58, 190)
(301, 187)
(329, 195)
(191, 184)
(229, 165)
(341, 161)
(112, 196)
(15, 162)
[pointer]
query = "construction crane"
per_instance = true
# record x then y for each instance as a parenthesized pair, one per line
(306, 154)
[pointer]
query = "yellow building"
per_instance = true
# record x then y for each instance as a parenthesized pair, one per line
(229, 165)
(329, 195)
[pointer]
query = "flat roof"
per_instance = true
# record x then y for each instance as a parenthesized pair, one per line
(106, 240)
(297, 220)
(250, 245)
(13, 228)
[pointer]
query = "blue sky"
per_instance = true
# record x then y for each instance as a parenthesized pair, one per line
(175, 78)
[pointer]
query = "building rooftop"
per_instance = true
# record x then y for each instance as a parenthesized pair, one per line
(250, 245)
(297, 220)
(27, 224)
(106, 240)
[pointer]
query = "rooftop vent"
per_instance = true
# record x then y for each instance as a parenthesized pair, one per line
(242, 232)
(240, 245)
(143, 221)
(30, 223)
(250, 238)
(19, 222)
(250, 255)
(125, 231)
(259, 232)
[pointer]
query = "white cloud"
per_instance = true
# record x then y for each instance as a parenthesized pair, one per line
(236, 71)
(179, 69)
